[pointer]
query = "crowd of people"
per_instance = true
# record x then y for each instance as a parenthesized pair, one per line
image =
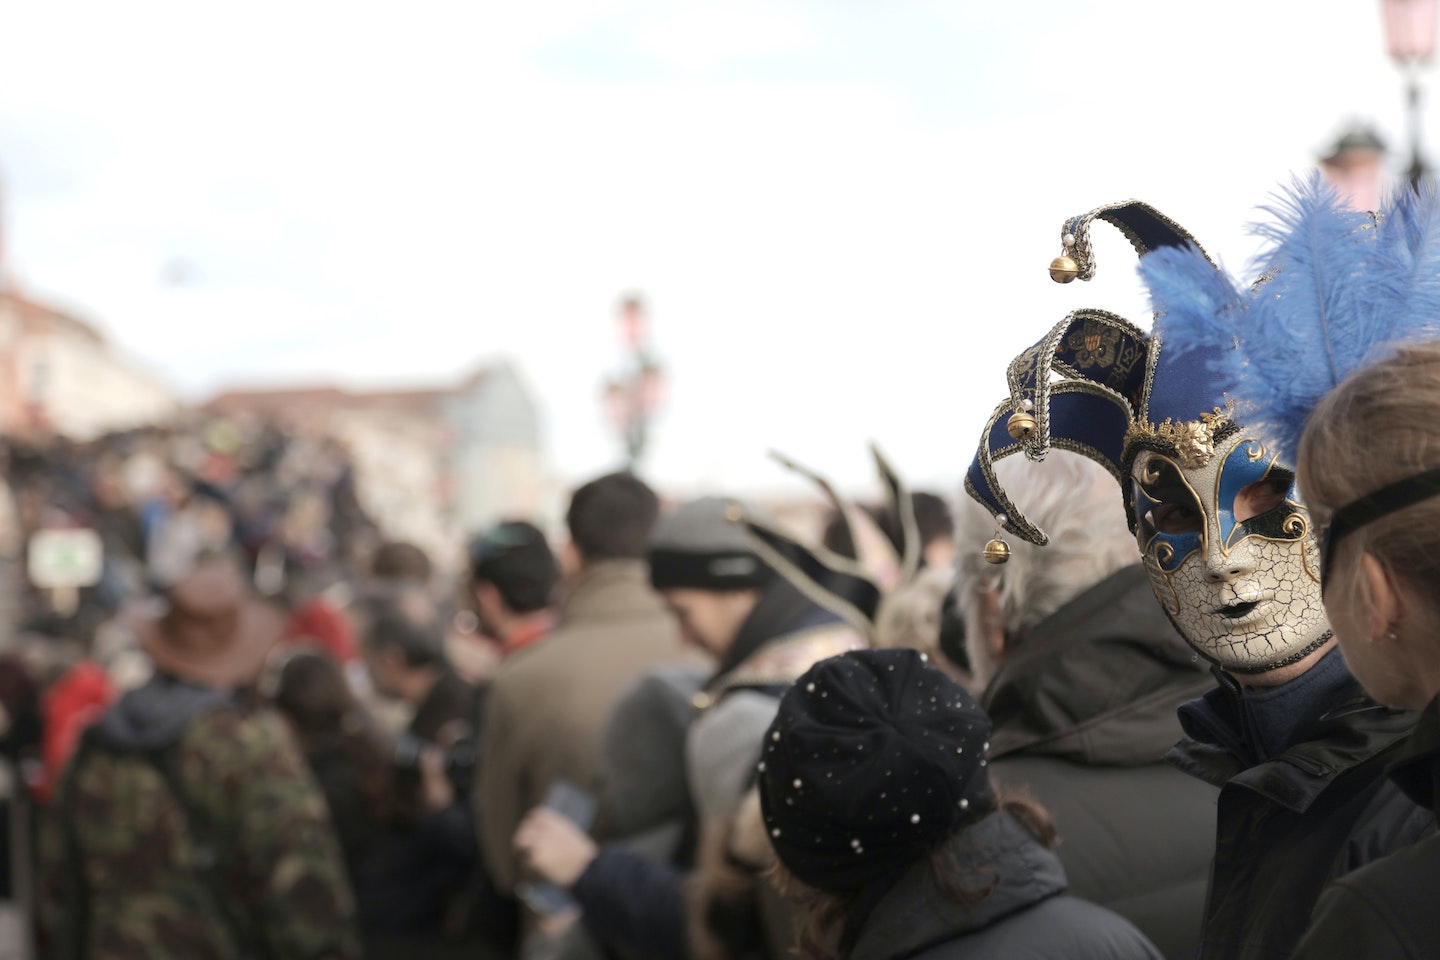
(1196, 719)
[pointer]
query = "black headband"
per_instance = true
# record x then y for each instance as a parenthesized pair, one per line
(1373, 506)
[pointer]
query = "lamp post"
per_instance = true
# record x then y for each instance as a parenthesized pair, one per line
(633, 396)
(1410, 38)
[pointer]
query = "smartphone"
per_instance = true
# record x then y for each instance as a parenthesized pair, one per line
(577, 806)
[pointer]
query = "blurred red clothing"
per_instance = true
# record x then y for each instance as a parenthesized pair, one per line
(526, 635)
(324, 627)
(73, 703)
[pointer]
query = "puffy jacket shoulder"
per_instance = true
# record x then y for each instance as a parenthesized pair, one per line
(1058, 928)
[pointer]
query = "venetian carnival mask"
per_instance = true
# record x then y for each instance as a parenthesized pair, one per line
(1227, 546)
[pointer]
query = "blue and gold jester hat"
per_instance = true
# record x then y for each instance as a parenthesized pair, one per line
(1100, 386)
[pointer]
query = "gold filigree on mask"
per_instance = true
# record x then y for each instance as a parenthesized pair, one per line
(1295, 526)
(1193, 440)
(1161, 554)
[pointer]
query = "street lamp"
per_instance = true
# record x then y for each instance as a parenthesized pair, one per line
(1410, 37)
(633, 396)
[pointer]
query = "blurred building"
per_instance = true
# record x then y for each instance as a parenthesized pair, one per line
(434, 465)
(58, 374)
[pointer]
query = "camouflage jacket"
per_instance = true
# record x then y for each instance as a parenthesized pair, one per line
(142, 891)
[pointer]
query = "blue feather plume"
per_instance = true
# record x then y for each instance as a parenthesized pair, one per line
(1337, 289)
(1195, 303)
(1312, 321)
(1409, 236)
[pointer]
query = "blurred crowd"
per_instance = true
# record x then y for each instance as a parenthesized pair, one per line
(1197, 715)
(264, 729)
(304, 570)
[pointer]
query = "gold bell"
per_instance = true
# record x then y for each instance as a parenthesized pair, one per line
(1021, 425)
(997, 551)
(1064, 269)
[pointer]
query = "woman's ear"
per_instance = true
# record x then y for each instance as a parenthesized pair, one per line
(1384, 596)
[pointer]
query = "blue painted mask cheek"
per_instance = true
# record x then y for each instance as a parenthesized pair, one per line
(1240, 469)
(1248, 466)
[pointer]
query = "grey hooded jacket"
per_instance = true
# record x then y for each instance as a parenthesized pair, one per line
(1025, 916)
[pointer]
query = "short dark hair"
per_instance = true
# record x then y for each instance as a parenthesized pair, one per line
(611, 517)
(516, 559)
(415, 630)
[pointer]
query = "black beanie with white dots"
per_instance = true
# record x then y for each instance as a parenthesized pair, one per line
(873, 759)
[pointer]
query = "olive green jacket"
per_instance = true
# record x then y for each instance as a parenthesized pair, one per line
(124, 864)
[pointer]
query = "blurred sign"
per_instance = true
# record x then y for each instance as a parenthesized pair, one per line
(65, 558)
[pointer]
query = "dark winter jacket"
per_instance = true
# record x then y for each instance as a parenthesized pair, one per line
(1084, 712)
(1315, 808)
(1025, 916)
(1386, 909)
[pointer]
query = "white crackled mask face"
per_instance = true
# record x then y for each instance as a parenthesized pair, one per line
(1230, 554)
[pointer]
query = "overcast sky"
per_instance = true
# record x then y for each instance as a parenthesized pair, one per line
(841, 212)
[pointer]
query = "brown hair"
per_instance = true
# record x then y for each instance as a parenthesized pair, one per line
(1378, 427)
(314, 696)
(823, 915)
(399, 560)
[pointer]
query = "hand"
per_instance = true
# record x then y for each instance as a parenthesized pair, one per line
(553, 848)
(434, 782)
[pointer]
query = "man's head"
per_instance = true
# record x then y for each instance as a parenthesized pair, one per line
(214, 631)
(513, 574)
(1073, 499)
(703, 566)
(611, 518)
(1228, 548)
(404, 644)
